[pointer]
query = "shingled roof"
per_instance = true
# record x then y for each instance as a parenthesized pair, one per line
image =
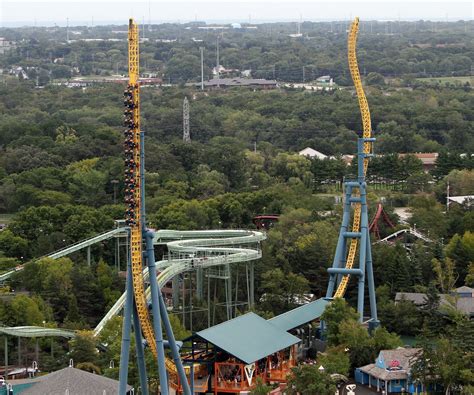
(462, 303)
(73, 382)
(405, 358)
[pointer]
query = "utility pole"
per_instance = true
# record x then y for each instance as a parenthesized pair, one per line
(303, 75)
(67, 29)
(447, 197)
(217, 65)
(217, 57)
(202, 67)
(186, 134)
(149, 15)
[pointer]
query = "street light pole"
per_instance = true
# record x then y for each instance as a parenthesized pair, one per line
(202, 67)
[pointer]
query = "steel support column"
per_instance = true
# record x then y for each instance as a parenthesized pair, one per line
(370, 283)
(228, 292)
(252, 284)
(6, 357)
(88, 255)
(199, 283)
(155, 306)
(140, 352)
(175, 291)
(126, 328)
(36, 350)
(356, 192)
(339, 257)
(173, 346)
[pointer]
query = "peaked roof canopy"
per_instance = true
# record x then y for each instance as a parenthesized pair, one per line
(248, 337)
(299, 316)
(73, 382)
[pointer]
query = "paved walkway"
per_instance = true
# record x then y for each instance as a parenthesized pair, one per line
(360, 390)
(364, 390)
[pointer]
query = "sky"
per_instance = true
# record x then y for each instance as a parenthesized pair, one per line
(88, 12)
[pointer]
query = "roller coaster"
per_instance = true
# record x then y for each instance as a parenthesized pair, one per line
(184, 254)
(190, 250)
(356, 237)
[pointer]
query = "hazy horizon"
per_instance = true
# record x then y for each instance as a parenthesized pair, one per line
(86, 13)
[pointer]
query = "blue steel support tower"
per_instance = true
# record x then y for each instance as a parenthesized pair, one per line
(356, 193)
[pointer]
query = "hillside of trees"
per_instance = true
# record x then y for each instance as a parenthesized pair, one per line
(61, 180)
(391, 49)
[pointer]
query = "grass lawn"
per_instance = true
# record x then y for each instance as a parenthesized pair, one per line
(5, 218)
(443, 80)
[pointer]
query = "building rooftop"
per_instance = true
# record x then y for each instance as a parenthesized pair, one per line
(300, 316)
(461, 199)
(464, 304)
(428, 158)
(73, 381)
(464, 289)
(312, 153)
(238, 82)
(248, 337)
(400, 358)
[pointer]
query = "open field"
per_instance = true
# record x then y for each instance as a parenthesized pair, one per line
(5, 218)
(452, 80)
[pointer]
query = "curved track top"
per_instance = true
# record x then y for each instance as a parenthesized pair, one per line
(188, 250)
(35, 331)
(367, 133)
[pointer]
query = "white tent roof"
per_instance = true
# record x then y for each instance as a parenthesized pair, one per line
(461, 199)
(312, 153)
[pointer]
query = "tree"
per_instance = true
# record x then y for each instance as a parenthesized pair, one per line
(186, 215)
(335, 360)
(402, 317)
(461, 251)
(470, 275)
(433, 322)
(282, 291)
(393, 267)
(461, 182)
(308, 380)
(50, 278)
(375, 79)
(86, 183)
(440, 362)
(445, 275)
(429, 218)
(12, 245)
(24, 310)
(334, 314)
(88, 367)
(261, 388)
(226, 155)
(84, 347)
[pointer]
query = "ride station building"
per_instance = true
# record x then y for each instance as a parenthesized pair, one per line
(231, 356)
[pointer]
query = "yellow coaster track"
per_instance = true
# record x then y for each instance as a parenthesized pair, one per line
(132, 182)
(367, 132)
